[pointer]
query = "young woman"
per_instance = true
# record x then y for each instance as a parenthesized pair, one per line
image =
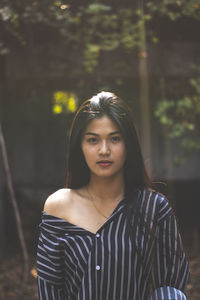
(108, 235)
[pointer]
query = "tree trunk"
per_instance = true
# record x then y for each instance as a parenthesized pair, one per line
(16, 211)
(168, 156)
(2, 179)
(144, 94)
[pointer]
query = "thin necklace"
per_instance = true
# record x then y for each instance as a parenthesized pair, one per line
(92, 200)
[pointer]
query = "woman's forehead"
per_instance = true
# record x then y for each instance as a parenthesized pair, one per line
(102, 125)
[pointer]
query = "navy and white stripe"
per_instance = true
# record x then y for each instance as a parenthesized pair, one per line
(168, 293)
(134, 256)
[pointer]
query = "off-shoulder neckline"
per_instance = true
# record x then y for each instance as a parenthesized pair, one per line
(79, 227)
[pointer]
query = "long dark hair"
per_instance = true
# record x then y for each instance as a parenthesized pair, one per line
(106, 103)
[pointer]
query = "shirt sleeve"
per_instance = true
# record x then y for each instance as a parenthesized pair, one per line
(49, 268)
(170, 269)
(168, 293)
(47, 290)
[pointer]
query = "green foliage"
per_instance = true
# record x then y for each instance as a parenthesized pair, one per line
(96, 8)
(93, 28)
(182, 119)
(17, 16)
(175, 9)
(108, 28)
(91, 57)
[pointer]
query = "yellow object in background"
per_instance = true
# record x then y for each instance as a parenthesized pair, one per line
(64, 102)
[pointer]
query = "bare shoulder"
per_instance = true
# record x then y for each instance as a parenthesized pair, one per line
(58, 201)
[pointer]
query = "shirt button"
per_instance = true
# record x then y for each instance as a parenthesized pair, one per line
(97, 235)
(98, 267)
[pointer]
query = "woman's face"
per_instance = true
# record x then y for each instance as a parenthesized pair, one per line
(103, 148)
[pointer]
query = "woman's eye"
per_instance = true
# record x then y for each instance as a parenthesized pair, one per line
(116, 138)
(92, 140)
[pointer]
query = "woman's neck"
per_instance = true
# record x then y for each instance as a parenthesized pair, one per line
(106, 189)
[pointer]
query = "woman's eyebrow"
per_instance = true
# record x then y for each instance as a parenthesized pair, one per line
(115, 132)
(91, 133)
(95, 134)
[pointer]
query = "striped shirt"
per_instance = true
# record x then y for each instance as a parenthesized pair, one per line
(136, 255)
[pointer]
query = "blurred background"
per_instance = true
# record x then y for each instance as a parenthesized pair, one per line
(56, 54)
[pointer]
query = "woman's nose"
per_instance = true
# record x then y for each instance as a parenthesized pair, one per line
(104, 148)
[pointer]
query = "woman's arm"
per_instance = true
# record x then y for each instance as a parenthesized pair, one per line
(48, 291)
(50, 267)
(167, 293)
(170, 268)
(49, 253)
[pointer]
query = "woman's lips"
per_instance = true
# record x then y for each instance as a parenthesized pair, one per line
(104, 163)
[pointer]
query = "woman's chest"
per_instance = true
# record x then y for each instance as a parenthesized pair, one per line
(110, 251)
(89, 217)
